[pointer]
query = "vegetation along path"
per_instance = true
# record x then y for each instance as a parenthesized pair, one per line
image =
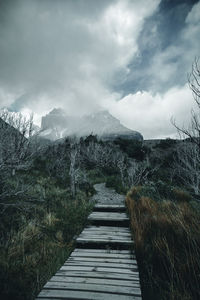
(103, 265)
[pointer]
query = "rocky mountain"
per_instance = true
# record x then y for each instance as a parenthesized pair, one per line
(57, 124)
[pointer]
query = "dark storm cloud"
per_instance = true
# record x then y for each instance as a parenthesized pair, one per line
(162, 38)
(48, 48)
(66, 52)
(35, 36)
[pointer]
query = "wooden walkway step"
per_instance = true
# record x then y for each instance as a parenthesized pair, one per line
(108, 218)
(102, 267)
(109, 207)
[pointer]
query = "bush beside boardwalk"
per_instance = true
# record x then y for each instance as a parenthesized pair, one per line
(35, 242)
(167, 244)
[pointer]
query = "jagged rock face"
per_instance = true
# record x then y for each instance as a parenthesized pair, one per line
(57, 125)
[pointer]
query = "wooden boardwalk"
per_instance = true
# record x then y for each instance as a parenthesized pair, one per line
(103, 265)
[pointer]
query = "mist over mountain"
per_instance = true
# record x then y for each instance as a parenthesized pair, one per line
(57, 124)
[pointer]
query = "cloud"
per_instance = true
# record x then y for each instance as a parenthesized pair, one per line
(171, 66)
(67, 53)
(156, 88)
(151, 114)
(131, 57)
(167, 45)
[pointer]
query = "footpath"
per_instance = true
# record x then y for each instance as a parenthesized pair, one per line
(103, 265)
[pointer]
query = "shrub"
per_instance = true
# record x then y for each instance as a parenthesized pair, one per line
(181, 196)
(165, 144)
(167, 243)
(38, 239)
(133, 148)
(115, 182)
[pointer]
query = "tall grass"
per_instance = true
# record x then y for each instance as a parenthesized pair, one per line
(32, 251)
(167, 242)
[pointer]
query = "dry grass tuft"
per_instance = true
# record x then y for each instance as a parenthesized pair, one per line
(181, 196)
(167, 241)
(30, 255)
(50, 219)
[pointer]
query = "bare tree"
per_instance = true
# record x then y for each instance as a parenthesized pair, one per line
(193, 130)
(98, 154)
(194, 80)
(187, 165)
(15, 133)
(120, 162)
(136, 172)
(74, 156)
(187, 162)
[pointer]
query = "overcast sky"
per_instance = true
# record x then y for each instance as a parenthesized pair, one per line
(130, 57)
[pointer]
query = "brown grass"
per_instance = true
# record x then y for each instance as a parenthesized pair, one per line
(32, 254)
(167, 241)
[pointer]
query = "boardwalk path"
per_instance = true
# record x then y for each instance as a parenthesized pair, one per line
(103, 266)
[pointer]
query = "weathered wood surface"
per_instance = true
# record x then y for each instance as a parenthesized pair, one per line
(100, 259)
(95, 274)
(98, 264)
(114, 216)
(99, 241)
(88, 295)
(103, 255)
(107, 228)
(90, 280)
(98, 274)
(110, 207)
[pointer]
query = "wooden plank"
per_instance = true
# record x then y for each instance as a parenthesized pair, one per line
(107, 217)
(89, 280)
(93, 227)
(103, 241)
(104, 252)
(109, 213)
(106, 260)
(103, 256)
(113, 215)
(112, 233)
(107, 251)
(110, 205)
(128, 236)
(95, 268)
(93, 288)
(60, 294)
(108, 240)
(100, 264)
(117, 232)
(95, 274)
(105, 236)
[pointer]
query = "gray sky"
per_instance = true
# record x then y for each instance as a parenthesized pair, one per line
(128, 56)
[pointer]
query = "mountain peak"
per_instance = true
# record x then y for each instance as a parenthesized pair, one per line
(57, 124)
(57, 111)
